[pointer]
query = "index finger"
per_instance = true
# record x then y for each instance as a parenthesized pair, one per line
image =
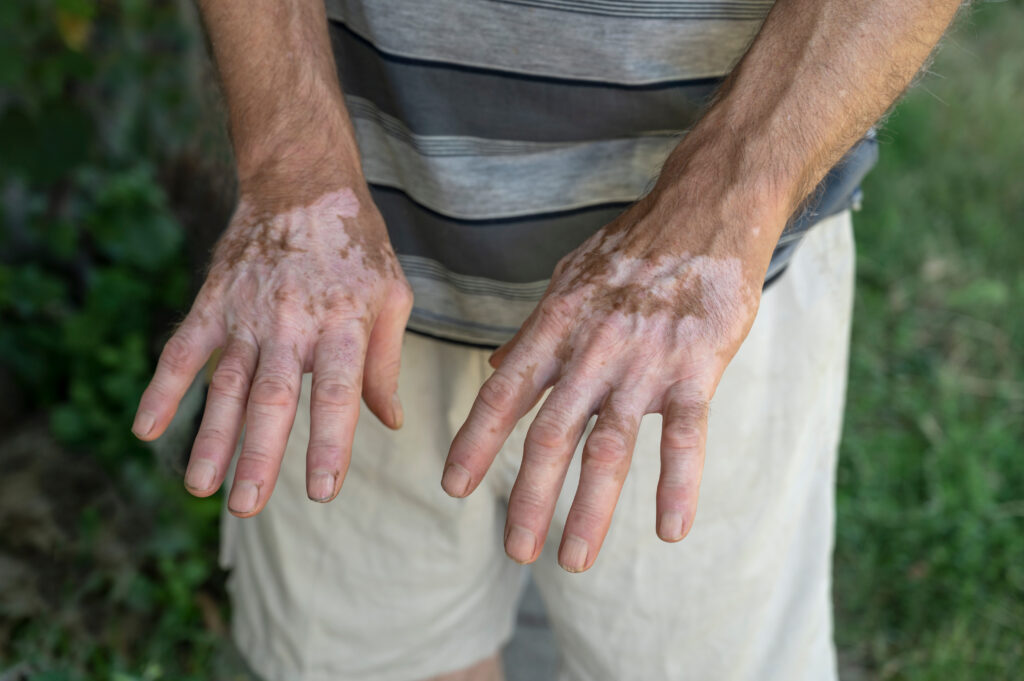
(504, 398)
(182, 357)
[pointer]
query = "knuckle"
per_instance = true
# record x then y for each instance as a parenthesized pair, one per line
(177, 353)
(683, 437)
(255, 458)
(605, 448)
(212, 438)
(273, 390)
(691, 411)
(229, 380)
(586, 516)
(561, 265)
(334, 392)
(402, 296)
(558, 311)
(607, 334)
(674, 483)
(498, 394)
(546, 435)
(290, 320)
(527, 502)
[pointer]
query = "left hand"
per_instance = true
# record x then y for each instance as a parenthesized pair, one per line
(642, 318)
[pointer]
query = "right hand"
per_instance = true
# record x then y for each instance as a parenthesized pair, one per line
(291, 289)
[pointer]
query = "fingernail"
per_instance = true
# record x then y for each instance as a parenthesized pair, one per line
(397, 414)
(321, 486)
(200, 475)
(244, 496)
(670, 526)
(520, 544)
(143, 424)
(573, 556)
(455, 480)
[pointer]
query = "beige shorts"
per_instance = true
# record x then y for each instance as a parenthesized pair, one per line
(396, 581)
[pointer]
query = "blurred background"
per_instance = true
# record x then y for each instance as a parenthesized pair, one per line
(116, 178)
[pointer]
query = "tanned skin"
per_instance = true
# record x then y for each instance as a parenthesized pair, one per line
(642, 318)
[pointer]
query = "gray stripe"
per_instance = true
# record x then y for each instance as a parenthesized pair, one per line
(478, 184)
(424, 268)
(435, 99)
(525, 249)
(678, 9)
(537, 41)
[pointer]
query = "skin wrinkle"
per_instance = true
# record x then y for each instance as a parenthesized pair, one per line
(623, 425)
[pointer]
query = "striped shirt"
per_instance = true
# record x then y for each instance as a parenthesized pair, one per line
(497, 135)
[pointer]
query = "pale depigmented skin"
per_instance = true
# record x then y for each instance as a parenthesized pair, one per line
(292, 288)
(633, 322)
(313, 259)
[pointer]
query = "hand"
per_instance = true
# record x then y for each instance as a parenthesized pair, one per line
(291, 289)
(642, 318)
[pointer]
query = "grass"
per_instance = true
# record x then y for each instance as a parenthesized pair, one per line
(929, 579)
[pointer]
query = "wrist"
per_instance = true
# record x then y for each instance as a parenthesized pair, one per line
(718, 194)
(288, 154)
(735, 176)
(300, 167)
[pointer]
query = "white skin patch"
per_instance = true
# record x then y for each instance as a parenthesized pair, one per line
(670, 315)
(300, 268)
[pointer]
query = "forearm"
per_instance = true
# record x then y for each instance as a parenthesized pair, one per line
(818, 75)
(288, 122)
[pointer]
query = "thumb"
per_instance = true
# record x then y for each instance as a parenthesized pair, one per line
(383, 359)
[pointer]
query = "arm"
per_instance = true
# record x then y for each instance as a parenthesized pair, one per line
(645, 316)
(303, 279)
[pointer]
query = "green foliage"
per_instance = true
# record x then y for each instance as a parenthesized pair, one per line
(117, 571)
(930, 554)
(92, 262)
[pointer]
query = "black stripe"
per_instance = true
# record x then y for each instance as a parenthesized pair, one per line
(616, 206)
(480, 346)
(437, 146)
(522, 250)
(436, 98)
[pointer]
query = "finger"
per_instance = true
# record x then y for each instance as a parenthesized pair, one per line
(334, 407)
(383, 359)
(499, 355)
(550, 443)
(222, 418)
(504, 398)
(683, 437)
(269, 415)
(605, 463)
(183, 356)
